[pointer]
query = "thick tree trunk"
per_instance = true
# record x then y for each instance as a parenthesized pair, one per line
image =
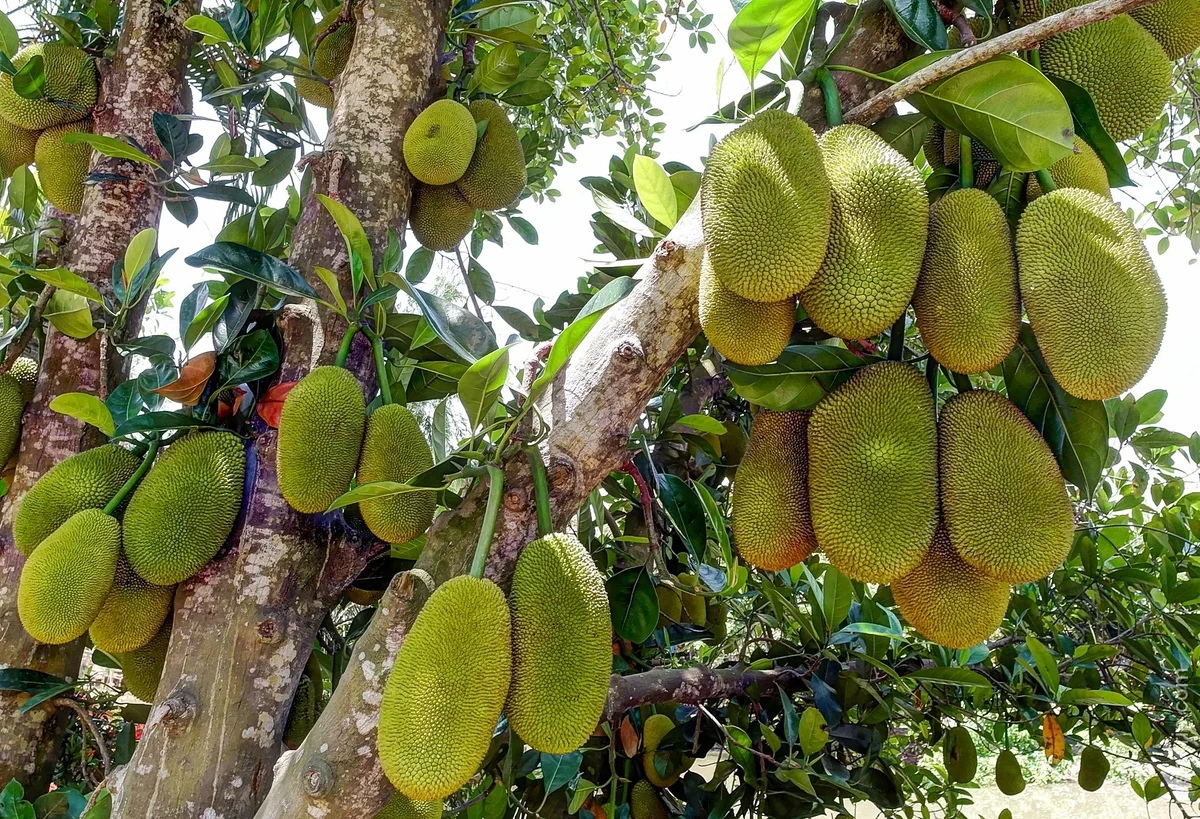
(145, 76)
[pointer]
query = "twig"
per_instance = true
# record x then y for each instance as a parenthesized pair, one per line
(85, 718)
(647, 501)
(965, 32)
(19, 343)
(345, 15)
(467, 281)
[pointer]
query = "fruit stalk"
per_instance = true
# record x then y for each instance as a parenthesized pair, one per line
(135, 478)
(344, 350)
(833, 102)
(541, 489)
(484, 544)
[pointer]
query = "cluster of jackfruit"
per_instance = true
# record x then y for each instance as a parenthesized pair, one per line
(459, 171)
(32, 131)
(327, 59)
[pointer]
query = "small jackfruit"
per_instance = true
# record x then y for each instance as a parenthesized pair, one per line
(872, 448)
(401, 807)
(561, 645)
(1091, 292)
(496, 175)
(328, 61)
(765, 206)
(1093, 768)
(772, 525)
(446, 690)
(12, 407)
(744, 331)
(716, 620)
(183, 510)
(395, 450)
(62, 166)
(644, 803)
(966, 302)
(88, 480)
(670, 606)
(69, 90)
(439, 144)
(959, 755)
(662, 769)
(876, 236)
(693, 603)
(306, 705)
(16, 147)
(66, 580)
(142, 669)
(320, 437)
(1009, 778)
(1081, 169)
(1175, 24)
(440, 217)
(133, 612)
(25, 370)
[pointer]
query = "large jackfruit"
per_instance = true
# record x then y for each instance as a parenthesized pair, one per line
(320, 437)
(16, 147)
(1175, 24)
(440, 217)
(184, 509)
(496, 175)
(133, 612)
(872, 475)
(959, 754)
(1091, 292)
(1004, 501)
(1009, 778)
(662, 769)
(62, 166)
(561, 645)
(772, 525)
(88, 480)
(967, 302)
(765, 205)
(876, 237)
(1081, 169)
(439, 144)
(948, 600)
(307, 705)
(142, 669)
(744, 331)
(1093, 768)
(644, 803)
(328, 61)
(401, 807)
(395, 450)
(446, 690)
(70, 87)
(66, 580)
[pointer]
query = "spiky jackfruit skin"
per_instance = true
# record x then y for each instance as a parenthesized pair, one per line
(88, 480)
(25, 370)
(133, 612)
(967, 302)
(66, 580)
(16, 147)
(142, 669)
(942, 150)
(1082, 169)
(328, 61)
(644, 803)
(401, 807)
(306, 705)
(70, 88)
(184, 509)
(562, 645)
(440, 217)
(772, 524)
(766, 207)
(1175, 24)
(395, 450)
(872, 476)
(439, 144)
(744, 331)
(495, 176)
(446, 690)
(12, 406)
(1091, 292)
(948, 600)
(320, 438)
(876, 237)
(62, 166)
(1004, 501)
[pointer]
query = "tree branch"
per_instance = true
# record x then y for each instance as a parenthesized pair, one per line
(692, 686)
(18, 344)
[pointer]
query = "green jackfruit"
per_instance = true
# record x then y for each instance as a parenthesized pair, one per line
(446, 690)
(439, 144)
(184, 509)
(1082, 169)
(765, 205)
(1175, 24)
(401, 807)
(716, 620)
(644, 803)
(744, 331)
(88, 480)
(876, 237)
(662, 769)
(496, 175)
(950, 601)
(959, 756)
(872, 476)
(670, 606)
(16, 147)
(328, 61)
(12, 407)
(693, 604)
(1004, 501)
(1009, 778)
(70, 88)
(440, 217)
(142, 669)
(307, 704)
(772, 526)
(25, 370)
(966, 302)
(66, 580)
(561, 645)
(62, 166)
(320, 437)
(1093, 768)
(133, 613)
(1091, 292)
(395, 450)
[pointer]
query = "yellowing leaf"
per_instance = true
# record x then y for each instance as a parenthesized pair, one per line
(1053, 741)
(189, 386)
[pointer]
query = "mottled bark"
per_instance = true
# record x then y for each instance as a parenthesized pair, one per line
(692, 686)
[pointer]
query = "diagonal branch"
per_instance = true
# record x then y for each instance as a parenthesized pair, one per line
(692, 686)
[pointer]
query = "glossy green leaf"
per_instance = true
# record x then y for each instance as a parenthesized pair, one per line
(139, 253)
(111, 146)
(837, 597)
(376, 489)
(158, 422)
(1046, 666)
(632, 604)
(1088, 125)
(63, 279)
(654, 190)
(86, 408)
(801, 377)
(479, 387)
(921, 22)
(10, 41)
(206, 26)
(497, 71)
(905, 132)
(960, 677)
(355, 236)
(559, 769)
(760, 28)
(461, 330)
(699, 423)
(812, 734)
(1084, 696)
(70, 314)
(685, 511)
(229, 257)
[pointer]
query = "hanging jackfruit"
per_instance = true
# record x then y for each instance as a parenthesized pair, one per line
(662, 769)
(16, 147)
(1009, 778)
(1175, 24)
(328, 60)
(62, 166)
(744, 331)
(644, 803)
(320, 437)
(133, 612)
(401, 807)
(12, 407)
(395, 450)
(942, 149)
(307, 704)
(495, 176)
(142, 669)
(1093, 768)
(439, 144)
(440, 217)
(1081, 169)
(959, 756)
(69, 90)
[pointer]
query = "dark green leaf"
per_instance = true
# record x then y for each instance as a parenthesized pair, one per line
(801, 377)
(462, 331)
(524, 229)
(158, 422)
(172, 134)
(559, 769)
(222, 192)
(30, 80)
(962, 677)
(243, 261)
(250, 358)
(479, 387)
(242, 296)
(45, 696)
(419, 265)
(633, 604)
(921, 22)
(905, 132)
(686, 512)
(1008, 189)
(27, 680)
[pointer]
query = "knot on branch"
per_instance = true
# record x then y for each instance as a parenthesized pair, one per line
(268, 631)
(561, 475)
(318, 777)
(628, 352)
(177, 710)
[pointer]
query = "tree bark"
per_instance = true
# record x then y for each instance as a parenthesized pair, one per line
(692, 686)
(146, 75)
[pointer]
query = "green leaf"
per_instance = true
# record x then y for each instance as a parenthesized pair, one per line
(685, 510)
(27, 680)
(44, 696)
(524, 229)
(70, 314)
(1085, 696)
(207, 26)
(139, 253)
(655, 190)
(961, 677)
(204, 321)
(497, 70)
(111, 146)
(760, 29)
(419, 265)
(330, 280)
(560, 353)
(101, 806)
(63, 279)
(559, 769)
(30, 80)
(10, 42)
(1088, 125)
(461, 330)
(278, 166)
(699, 423)
(230, 257)
(905, 132)
(352, 231)
(85, 407)
(1047, 667)
(632, 604)
(1008, 189)
(527, 93)
(480, 385)
(837, 597)
(801, 377)
(158, 422)
(921, 22)
(812, 734)
(376, 489)
(249, 358)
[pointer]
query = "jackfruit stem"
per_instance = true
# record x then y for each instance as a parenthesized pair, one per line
(488, 529)
(896, 340)
(344, 350)
(966, 162)
(135, 478)
(385, 387)
(1046, 181)
(833, 101)
(962, 382)
(541, 489)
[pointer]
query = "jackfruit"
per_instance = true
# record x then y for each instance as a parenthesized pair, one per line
(133, 612)
(1091, 292)
(1004, 502)
(12, 407)
(1175, 24)
(88, 480)
(716, 617)
(744, 331)
(184, 509)
(401, 807)
(66, 580)
(1082, 169)
(1093, 768)
(950, 601)
(446, 690)
(942, 150)
(693, 603)
(16, 147)
(645, 804)
(772, 525)
(876, 237)
(62, 166)
(440, 217)
(959, 756)
(662, 769)
(872, 476)
(395, 450)
(142, 669)
(496, 175)
(1009, 778)
(966, 302)
(320, 437)
(561, 645)
(439, 144)
(25, 370)
(306, 705)
(328, 61)
(70, 88)
(765, 205)
(670, 606)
